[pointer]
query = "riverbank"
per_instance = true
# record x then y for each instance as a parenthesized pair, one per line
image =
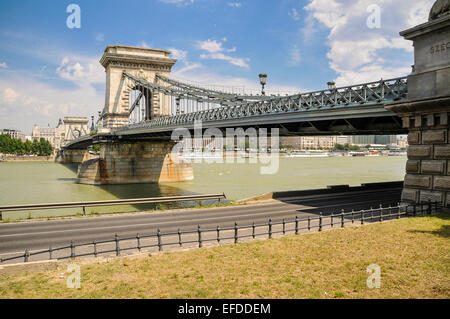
(411, 253)
(25, 158)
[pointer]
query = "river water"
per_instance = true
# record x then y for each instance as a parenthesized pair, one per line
(42, 182)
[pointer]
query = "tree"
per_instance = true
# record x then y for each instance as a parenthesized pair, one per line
(27, 147)
(346, 147)
(45, 148)
(35, 147)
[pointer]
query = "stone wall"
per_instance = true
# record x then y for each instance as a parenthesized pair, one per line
(13, 158)
(428, 166)
(73, 156)
(128, 163)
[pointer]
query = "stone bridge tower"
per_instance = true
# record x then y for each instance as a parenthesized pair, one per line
(133, 161)
(144, 63)
(427, 110)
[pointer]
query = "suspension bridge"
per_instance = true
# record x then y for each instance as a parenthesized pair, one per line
(144, 105)
(154, 108)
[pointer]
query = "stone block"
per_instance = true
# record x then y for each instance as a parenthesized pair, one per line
(410, 195)
(418, 121)
(414, 137)
(419, 151)
(443, 118)
(434, 137)
(405, 122)
(442, 182)
(433, 167)
(412, 166)
(442, 151)
(430, 120)
(432, 196)
(418, 181)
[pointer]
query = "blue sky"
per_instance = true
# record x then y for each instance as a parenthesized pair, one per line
(49, 71)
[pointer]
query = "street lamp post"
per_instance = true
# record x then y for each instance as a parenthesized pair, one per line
(331, 85)
(92, 126)
(263, 81)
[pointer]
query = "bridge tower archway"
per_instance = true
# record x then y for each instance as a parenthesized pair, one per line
(140, 104)
(143, 63)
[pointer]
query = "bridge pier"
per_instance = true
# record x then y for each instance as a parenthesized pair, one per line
(426, 114)
(72, 156)
(134, 162)
(428, 166)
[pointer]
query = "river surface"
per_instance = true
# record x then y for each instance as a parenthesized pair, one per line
(42, 182)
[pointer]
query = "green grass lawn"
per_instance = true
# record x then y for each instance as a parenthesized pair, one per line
(413, 254)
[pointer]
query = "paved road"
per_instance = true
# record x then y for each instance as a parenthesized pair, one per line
(16, 237)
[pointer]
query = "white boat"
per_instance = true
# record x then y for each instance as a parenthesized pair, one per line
(200, 155)
(309, 154)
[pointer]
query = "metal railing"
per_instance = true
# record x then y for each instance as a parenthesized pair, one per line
(233, 234)
(114, 202)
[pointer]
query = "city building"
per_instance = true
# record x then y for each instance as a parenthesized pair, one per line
(374, 139)
(402, 141)
(294, 142)
(309, 142)
(54, 135)
(14, 134)
(343, 139)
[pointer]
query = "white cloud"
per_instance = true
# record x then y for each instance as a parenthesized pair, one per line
(178, 3)
(82, 71)
(3, 65)
(144, 44)
(181, 56)
(295, 56)
(216, 51)
(294, 14)
(212, 46)
(220, 56)
(26, 101)
(187, 66)
(235, 4)
(178, 54)
(358, 53)
(100, 37)
(9, 96)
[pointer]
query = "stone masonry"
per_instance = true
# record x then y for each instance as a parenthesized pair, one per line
(428, 167)
(426, 113)
(139, 162)
(144, 63)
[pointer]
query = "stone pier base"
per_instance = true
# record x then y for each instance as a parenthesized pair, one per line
(129, 163)
(72, 156)
(428, 167)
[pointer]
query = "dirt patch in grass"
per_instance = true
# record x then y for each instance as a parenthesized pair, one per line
(413, 255)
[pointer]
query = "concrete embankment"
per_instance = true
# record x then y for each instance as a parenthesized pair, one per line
(323, 191)
(4, 158)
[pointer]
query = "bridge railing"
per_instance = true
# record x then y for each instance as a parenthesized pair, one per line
(219, 235)
(378, 92)
(114, 202)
